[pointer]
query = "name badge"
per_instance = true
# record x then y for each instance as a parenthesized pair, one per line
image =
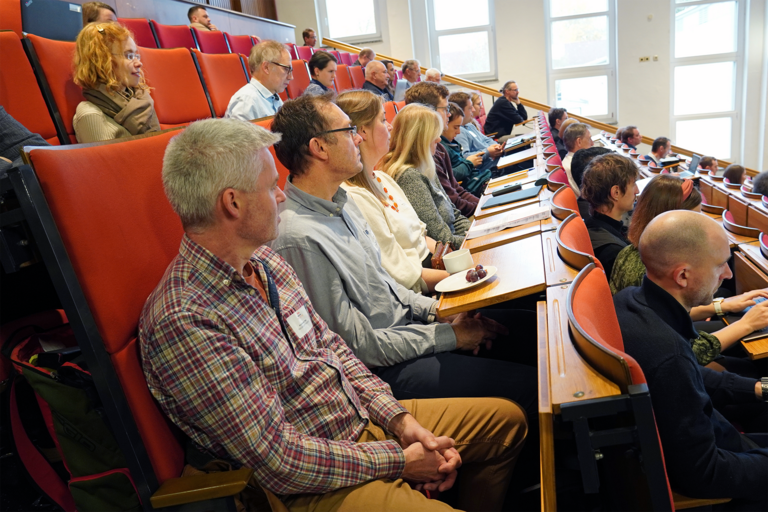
(300, 322)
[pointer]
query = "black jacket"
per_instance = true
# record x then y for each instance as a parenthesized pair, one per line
(368, 86)
(503, 116)
(608, 237)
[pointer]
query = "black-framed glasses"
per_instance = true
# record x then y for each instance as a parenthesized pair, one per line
(351, 129)
(442, 108)
(288, 69)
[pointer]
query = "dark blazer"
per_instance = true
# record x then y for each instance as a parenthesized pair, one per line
(705, 455)
(608, 237)
(503, 116)
(13, 137)
(368, 86)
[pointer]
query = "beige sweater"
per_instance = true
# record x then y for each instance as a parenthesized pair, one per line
(93, 125)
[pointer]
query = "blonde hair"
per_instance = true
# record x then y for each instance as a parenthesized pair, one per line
(94, 57)
(363, 109)
(416, 126)
(265, 51)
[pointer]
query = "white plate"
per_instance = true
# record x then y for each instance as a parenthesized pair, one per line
(458, 281)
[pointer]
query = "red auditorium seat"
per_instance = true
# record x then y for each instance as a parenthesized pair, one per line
(176, 87)
(256, 39)
(10, 16)
(343, 80)
(304, 52)
(55, 73)
(335, 54)
(282, 171)
(19, 92)
(210, 41)
(390, 109)
(292, 51)
(357, 75)
(300, 79)
(239, 44)
(564, 203)
(400, 105)
(223, 75)
(346, 58)
(173, 36)
(142, 31)
(573, 244)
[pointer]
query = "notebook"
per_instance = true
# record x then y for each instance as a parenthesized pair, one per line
(512, 197)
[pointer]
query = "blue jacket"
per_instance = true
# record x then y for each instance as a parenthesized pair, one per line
(473, 180)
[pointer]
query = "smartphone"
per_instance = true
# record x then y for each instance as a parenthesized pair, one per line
(506, 189)
(757, 300)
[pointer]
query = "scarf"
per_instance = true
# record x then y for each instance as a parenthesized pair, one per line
(133, 109)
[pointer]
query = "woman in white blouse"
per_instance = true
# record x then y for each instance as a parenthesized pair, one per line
(405, 248)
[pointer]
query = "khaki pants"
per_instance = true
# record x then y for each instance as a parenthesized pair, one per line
(489, 434)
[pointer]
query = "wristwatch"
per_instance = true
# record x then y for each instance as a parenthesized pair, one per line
(718, 304)
(764, 384)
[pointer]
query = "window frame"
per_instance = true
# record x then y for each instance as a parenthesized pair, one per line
(737, 57)
(434, 40)
(375, 37)
(609, 70)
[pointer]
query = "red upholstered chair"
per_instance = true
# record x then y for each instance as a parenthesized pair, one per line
(730, 224)
(343, 80)
(210, 41)
(52, 61)
(176, 86)
(357, 75)
(557, 179)
(574, 245)
(304, 52)
(390, 109)
(256, 39)
(292, 50)
(239, 44)
(142, 31)
(564, 203)
(223, 76)
(19, 92)
(126, 224)
(335, 54)
(10, 16)
(282, 171)
(346, 58)
(400, 105)
(300, 79)
(173, 36)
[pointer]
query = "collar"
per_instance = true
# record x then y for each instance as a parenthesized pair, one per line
(367, 83)
(631, 146)
(211, 265)
(667, 308)
(265, 93)
(325, 208)
(314, 81)
(611, 224)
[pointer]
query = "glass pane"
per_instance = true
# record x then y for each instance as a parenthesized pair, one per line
(450, 14)
(348, 18)
(572, 7)
(580, 42)
(705, 29)
(462, 54)
(695, 90)
(583, 96)
(707, 137)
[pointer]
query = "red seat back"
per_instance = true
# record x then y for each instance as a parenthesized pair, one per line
(256, 39)
(335, 54)
(565, 199)
(55, 59)
(343, 80)
(300, 80)
(390, 109)
(173, 36)
(292, 51)
(358, 76)
(239, 44)
(282, 171)
(10, 16)
(142, 31)
(304, 52)
(211, 41)
(400, 105)
(19, 92)
(574, 245)
(176, 87)
(346, 58)
(223, 76)
(120, 242)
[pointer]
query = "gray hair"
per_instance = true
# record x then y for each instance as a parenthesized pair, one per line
(208, 157)
(373, 67)
(265, 51)
(573, 132)
(433, 72)
(410, 64)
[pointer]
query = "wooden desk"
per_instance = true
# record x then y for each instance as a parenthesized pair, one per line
(734, 240)
(751, 273)
(483, 243)
(523, 177)
(557, 271)
(516, 158)
(520, 273)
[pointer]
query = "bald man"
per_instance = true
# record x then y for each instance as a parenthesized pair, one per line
(686, 256)
(433, 75)
(377, 79)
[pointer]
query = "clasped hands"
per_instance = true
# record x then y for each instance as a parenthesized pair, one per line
(430, 462)
(473, 329)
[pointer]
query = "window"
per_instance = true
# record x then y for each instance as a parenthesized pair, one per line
(581, 56)
(351, 21)
(706, 77)
(462, 41)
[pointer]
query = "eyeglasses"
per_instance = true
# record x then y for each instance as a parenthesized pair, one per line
(288, 69)
(442, 108)
(129, 56)
(351, 129)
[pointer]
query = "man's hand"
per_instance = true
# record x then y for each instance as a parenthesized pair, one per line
(213, 27)
(472, 329)
(757, 317)
(476, 160)
(741, 302)
(495, 150)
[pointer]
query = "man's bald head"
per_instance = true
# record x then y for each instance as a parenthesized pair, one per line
(686, 253)
(376, 73)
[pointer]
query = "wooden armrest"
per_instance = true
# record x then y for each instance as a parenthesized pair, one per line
(205, 486)
(683, 502)
(491, 134)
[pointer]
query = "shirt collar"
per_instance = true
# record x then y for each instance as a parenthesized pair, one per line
(265, 93)
(209, 264)
(667, 308)
(316, 82)
(326, 208)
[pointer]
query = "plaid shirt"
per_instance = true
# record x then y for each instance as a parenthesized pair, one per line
(217, 360)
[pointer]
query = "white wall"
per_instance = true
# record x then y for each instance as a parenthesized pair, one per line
(644, 97)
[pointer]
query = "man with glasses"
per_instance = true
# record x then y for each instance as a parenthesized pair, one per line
(411, 74)
(270, 65)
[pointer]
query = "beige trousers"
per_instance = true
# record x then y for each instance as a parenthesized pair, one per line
(489, 434)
